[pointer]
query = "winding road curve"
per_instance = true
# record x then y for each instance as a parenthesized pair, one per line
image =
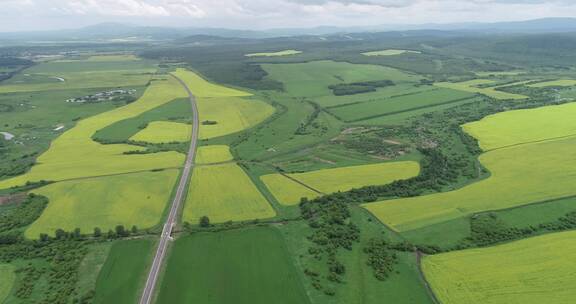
(148, 292)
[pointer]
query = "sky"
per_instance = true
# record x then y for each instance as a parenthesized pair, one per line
(27, 15)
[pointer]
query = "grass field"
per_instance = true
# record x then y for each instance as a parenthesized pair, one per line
(74, 154)
(498, 73)
(241, 266)
(523, 126)
(274, 54)
(399, 104)
(164, 132)
(289, 192)
(91, 265)
(124, 272)
(203, 88)
(389, 52)
(472, 86)
(213, 154)
(531, 271)
(231, 114)
(224, 193)
(381, 95)
(129, 199)
(62, 75)
(8, 277)
(554, 83)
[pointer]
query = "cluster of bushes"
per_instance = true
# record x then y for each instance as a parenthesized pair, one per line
(118, 232)
(380, 258)
(359, 87)
(15, 218)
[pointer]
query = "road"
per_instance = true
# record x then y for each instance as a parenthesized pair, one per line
(171, 220)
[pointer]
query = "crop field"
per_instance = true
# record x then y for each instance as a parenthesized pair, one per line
(520, 174)
(8, 277)
(399, 104)
(552, 122)
(164, 132)
(124, 272)
(389, 52)
(224, 193)
(240, 266)
(213, 154)
(80, 74)
(498, 73)
(380, 95)
(74, 154)
(472, 86)
(230, 114)
(531, 271)
(554, 83)
(274, 54)
(287, 191)
(201, 88)
(129, 199)
(312, 79)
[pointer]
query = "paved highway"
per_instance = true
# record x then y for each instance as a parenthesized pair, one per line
(148, 292)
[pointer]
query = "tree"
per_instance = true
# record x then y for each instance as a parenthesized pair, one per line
(77, 234)
(60, 234)
(111, 234)
(44, 237)
(121, 231)
(204, 221)
(97, 232)
(134, 229)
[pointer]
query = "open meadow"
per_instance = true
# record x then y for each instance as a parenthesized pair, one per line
(240, 266)
(8, 277)
(224, 193)
(289, 188)
(473, 86)
(532, 271)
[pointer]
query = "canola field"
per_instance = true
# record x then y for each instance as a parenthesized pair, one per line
(390, 52)
(554, 83)
(74, 154)
(274, 54)
(472, 86)
(520, 174)
(129, 199)
(224, 193)
(288, 192)
(213, 154)
(530, 271)
(164, 132)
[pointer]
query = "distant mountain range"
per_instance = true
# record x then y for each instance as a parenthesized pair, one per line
(125, 32)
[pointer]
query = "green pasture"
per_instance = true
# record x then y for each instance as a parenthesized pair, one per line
(390, 52)
(91, 266)
(473, 87)
(129, 199)
(124, 273)
(355, 112)
(74, 154)
(288, 191)
(381, 95)
(8, 277)
(524, 126)
(498, 73)
(274, 54)
(519, 175)
(224, 193)
(554, 83)
(213, 154)
(164, 132)
(229, 115)
(531, 271)
(239, 266)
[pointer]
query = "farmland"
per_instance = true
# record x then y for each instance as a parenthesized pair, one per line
(274, 54)
(244, 266)
(535, 270)
(8, 278)
(224, 193)
(136, 199)
(213, 154)
(554, 83)
(164, 132)
(290, 188)
(390, 52)
(473, 86)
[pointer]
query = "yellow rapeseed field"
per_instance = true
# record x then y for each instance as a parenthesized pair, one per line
(164, 132)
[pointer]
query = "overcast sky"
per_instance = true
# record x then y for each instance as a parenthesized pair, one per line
(19, 15)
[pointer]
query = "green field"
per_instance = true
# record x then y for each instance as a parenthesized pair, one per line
(472, 86)
(74, 154)
(91, 265)
(8, 277)
(520, 126)
(535, 270)
(389, 52)
(287, 191)
(164, 132)
(364, 110)
(123, 275)
(498, 73)
(554, 83)
(129, 199)
(213, 154)
(274, 54)
(240, 266)
(224, 193)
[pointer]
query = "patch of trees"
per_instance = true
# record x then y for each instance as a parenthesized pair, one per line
(381, 258)
(209, 122)
(359, 87)
(20, 216)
